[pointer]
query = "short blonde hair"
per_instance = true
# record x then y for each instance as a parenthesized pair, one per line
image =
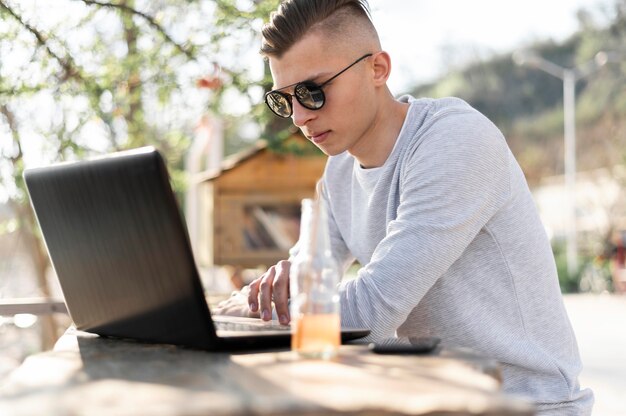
(295, 18)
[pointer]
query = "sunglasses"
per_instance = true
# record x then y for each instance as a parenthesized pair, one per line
(309, 94)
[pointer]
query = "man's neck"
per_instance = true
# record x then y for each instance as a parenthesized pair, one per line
(377, 143)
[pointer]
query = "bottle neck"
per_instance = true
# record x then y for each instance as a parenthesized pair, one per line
(314, 237)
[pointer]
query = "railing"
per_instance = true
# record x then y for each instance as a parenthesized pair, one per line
(16, 311)
(34, 306)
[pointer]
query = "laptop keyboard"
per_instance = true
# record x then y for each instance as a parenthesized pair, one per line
(248, 326)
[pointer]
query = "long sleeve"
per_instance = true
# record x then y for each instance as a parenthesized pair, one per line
(452, 183)
(341, 253)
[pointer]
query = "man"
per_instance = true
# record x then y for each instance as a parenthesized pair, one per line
(426, 195)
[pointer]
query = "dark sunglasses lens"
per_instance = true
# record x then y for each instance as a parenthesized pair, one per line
(309, 95)
(279, 104)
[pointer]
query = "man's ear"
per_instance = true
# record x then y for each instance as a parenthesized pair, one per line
(382, 68)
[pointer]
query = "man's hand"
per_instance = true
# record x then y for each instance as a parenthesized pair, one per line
(273, 285)
(236, 305)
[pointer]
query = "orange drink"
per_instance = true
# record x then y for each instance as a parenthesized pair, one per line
(316, 335)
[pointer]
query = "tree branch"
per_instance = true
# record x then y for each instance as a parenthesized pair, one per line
(69, 67)
(188, 52)
(10, 118)
(13, 92)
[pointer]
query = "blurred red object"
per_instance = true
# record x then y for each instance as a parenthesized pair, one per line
(211, 81)
(618, 262)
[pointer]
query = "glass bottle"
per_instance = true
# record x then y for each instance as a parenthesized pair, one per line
(314, 277)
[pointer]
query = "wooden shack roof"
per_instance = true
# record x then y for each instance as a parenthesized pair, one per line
(260, 149)
(235, 160)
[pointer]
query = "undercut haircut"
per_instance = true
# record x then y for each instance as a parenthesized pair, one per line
(295, 18)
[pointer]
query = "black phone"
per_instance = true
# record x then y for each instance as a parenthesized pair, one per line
(411, 345)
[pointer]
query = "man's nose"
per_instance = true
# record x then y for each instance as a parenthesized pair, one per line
(301, 115)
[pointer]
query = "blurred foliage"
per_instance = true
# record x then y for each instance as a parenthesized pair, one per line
(129, 71)
(247, 18)
(80, 78)
(593, 274)
(527, 103)
(568, 282)
(104, 76)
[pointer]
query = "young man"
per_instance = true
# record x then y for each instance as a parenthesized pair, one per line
(426, 195)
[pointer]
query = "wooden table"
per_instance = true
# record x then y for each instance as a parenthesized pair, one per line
(89, 375)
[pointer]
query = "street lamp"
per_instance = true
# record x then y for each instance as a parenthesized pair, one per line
(569, 76)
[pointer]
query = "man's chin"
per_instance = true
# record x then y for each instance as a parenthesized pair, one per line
(330, 151)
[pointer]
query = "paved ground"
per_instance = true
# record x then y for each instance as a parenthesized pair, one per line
(598, 321)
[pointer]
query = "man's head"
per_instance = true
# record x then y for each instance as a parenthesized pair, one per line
(308, 43)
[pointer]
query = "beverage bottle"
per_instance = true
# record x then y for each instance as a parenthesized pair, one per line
(314, 277)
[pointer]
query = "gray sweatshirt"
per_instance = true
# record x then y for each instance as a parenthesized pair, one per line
(452, 246)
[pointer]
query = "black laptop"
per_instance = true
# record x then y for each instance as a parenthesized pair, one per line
(120, 249)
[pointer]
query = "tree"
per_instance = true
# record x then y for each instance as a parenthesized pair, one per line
(86, 77)
(527, 104)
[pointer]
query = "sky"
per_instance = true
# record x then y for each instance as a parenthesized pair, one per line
(424, 37)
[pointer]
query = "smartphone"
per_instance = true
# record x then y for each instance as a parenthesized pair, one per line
(411, 345)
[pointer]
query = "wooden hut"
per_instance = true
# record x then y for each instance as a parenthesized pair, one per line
(250, 207)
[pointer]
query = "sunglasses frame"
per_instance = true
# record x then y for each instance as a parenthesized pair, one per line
(310, 86)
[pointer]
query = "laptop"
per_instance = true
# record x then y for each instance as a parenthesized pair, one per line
(120, 248)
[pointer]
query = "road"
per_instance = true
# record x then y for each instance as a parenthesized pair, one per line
(598, 321)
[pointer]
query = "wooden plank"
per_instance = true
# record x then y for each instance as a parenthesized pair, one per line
(90, 375)
(270, 172)
(35, 306)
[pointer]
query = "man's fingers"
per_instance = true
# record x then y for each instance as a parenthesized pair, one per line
(235, 305)
(265, 294)
(280, 289)
(233, 308)
(253, 294)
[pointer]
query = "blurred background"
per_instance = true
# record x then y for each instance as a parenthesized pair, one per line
(81, 78)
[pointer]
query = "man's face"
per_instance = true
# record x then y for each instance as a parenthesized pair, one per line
(342, 121)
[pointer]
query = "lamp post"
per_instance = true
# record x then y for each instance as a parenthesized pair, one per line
(569, 76)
